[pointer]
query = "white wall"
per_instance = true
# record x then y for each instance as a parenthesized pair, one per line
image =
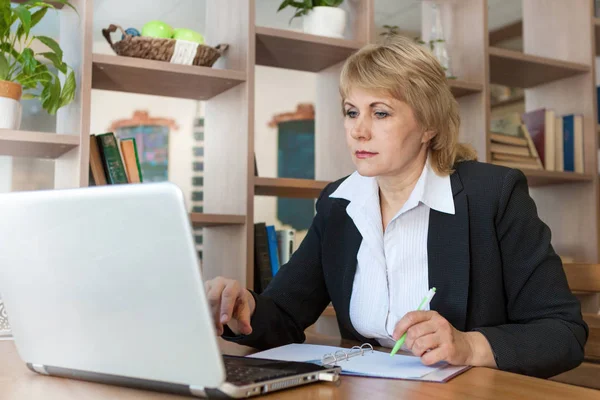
(277, 91)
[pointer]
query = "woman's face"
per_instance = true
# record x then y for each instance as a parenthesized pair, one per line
(382, 133)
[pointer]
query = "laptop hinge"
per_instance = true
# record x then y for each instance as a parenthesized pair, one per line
(197, 391)
(40, 369)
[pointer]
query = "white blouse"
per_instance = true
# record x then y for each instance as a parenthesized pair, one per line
(392, 269)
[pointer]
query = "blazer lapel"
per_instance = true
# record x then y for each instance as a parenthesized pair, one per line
(448, 257)
(345, 248)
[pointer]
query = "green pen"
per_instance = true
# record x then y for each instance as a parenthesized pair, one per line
(424, 303)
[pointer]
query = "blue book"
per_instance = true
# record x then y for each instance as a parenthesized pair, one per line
(569, 142)
(273, 251)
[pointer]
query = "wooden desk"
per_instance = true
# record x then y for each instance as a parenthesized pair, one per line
(18, 383)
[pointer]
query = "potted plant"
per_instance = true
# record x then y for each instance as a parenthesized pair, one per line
(319, 17)
(25, 74)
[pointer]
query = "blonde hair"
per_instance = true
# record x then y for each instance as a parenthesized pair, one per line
(410, 73)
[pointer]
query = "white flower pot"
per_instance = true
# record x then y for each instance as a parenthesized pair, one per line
(10, 113)
(325, 21)
(10, 108)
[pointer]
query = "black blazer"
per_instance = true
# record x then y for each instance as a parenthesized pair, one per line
(492, 263)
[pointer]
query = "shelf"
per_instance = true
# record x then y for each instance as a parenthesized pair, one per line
(288, 187)
(597, 34)
(516, 69)
(35, 144)
(300, 51)
(544, 178)
(462, 88)
(200, 220)
(136, 75)
(56, 5)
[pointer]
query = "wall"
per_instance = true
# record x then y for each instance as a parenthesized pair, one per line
(277, 91)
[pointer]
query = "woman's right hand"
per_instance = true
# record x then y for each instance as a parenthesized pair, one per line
(230, 304)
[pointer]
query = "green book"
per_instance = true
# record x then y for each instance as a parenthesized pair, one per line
(111, 159)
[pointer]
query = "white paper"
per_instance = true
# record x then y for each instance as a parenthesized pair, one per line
(372, 363)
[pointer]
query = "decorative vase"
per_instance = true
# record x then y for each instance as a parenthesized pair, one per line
(437, 39)
(4, 326)
(325, 21)
(10, 107)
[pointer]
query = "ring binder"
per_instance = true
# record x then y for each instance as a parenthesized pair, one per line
(332, 358)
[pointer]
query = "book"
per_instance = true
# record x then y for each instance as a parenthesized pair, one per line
(532, 149)
(273, 249)
(262, 262)
(97, 175)
(559, 164)
(131, 160)
(569, 142)
(578, 145)
(111, 156)
(364, 361)
(508, 139)
(509, 149)
(540, 124)
(527, 160)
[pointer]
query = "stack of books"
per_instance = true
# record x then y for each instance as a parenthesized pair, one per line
(512, 145)
(538, 139)
(272, 250)
(113, 161)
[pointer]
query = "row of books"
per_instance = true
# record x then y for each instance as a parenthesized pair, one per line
(272, 249)
(113, 161)
(538, 139)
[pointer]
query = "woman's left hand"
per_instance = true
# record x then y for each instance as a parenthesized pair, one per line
(431, 337)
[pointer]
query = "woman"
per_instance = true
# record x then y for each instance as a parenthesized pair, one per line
(419, 212)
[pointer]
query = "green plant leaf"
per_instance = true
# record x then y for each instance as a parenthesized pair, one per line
(28, 96)
(68, 90)
(9, 49)
(284, 4)
(57, 62)
(52, 44)
(51, 95)
(25, 16)
(3, 67)
(36, 17)
(28, 61)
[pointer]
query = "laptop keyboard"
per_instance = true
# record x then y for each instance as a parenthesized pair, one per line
(241, 375)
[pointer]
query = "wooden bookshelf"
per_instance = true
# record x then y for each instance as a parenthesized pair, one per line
(537, 178)
(17, 143)
(300, 51)
(201, 220)
(288, 187)
(461, 88)
(128, 74)
(229, 91)
(517, 69)
(329, 312)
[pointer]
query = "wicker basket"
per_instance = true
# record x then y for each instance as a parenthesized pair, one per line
(159, 49)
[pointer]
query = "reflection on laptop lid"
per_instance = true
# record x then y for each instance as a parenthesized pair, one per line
(103, 284)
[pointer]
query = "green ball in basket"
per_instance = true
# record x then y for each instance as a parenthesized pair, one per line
(157, 29)
(189, 35)
(164, 48)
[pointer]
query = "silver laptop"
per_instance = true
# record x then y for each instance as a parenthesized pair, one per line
(103, 284)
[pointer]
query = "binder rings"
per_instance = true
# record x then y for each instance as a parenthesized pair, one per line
(364, 361)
